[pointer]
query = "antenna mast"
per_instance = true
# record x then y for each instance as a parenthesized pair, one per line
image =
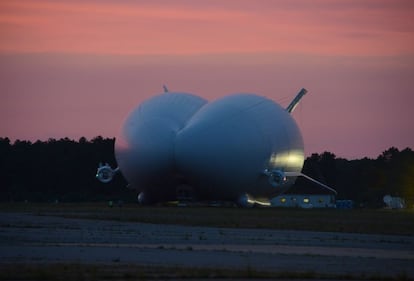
(296, 100)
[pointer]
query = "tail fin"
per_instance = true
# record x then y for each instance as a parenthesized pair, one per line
(296, 100)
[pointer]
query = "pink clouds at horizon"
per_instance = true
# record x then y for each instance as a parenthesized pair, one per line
(197, 27)
(76, 68)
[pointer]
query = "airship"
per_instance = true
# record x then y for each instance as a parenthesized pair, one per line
(242, 148)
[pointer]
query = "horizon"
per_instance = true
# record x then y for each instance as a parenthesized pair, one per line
(77, 68)
(13, 142)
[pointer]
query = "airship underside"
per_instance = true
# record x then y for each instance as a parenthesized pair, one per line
(242, 147)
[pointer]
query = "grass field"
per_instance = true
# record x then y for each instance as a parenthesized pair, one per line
(398, 222)
(367, 221)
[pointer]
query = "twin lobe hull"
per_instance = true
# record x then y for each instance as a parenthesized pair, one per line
(220, 149)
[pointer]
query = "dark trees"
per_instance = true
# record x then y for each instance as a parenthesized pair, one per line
(365, 181)
(57, 170)
(65, 170)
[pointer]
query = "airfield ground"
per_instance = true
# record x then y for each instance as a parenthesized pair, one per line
(95, 242)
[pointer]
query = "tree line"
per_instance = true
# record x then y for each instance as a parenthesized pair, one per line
(64, 170)
(365, 181)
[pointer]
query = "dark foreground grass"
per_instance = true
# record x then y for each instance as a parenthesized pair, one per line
(132, 272)
(368, 221)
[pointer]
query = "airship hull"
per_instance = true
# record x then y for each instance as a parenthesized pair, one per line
(228, 143)
(144, 149)
(178, 143)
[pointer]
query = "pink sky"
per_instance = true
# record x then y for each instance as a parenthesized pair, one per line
(76, 68)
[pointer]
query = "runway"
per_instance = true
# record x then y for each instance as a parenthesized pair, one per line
(29, 238)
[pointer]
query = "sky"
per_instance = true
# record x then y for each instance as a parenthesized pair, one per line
(77, 68)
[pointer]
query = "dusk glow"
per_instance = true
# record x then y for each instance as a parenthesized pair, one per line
(77, 68)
